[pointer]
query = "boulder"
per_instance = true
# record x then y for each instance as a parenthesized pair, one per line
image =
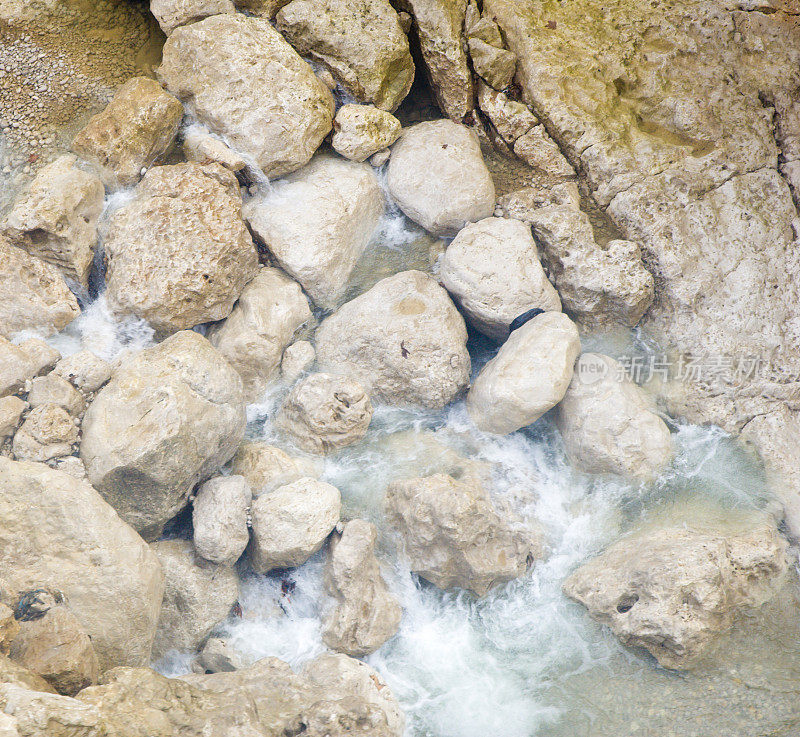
(55, 218)
(324, 413)
(247, 84)
(52, 389)
(137, 127)
(168, 419)
(438, 177)
(173, 13)
(361, 43)
(291, 523)
(598, 285)
(16, 367)
(84, 370)
(219, 519)
(496, 66)
(366, 614)
(197, 596)
(297, 359)
(11, 409)
(58, 532)
(452, 535)
(263, 323)
(9, 629)
(43, 356)
(359, 131)
(179, 253)
(539, 151)
(528, 376)
(492, 271)
(56, 647)
(266, 468)
(13, 674)
(217, 657)
(202, 147)
(608, 425)
(510, 118)
(673, 590)
(33, 294)
(404, 341)
(439, 25)
(317, 222)
(48, 432)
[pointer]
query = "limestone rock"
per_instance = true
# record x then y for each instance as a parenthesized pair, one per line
(607, 424)
(13, 674)
(362, 130)
(380, 158)
(173, 13)
(217, 657)
(248, 85)
(439, 25)
(404, 341)
(48, 432)
(136, 128)
(493, 272)
(179, 254)
(16, 367)
(43, 356)
(202, 147)
(55, 218)
(33, 294)
(361, 43)
(597, 285)
(11, 409)
(58, 532)
(366, 614)
(297, 358)
(452, 534)
(324, 413)
(438, 178)
(495, 65)
(528, 376)
(219, 519)
(266, 468)
(262, 8)
(291, 523)
(52, 389)
(170, 416)
(538, 150)
(57, 648)
(9, 629)
(84, 370)
(197, 596)
(317, 222)
(510, 118)
(673, 590)
(271, 308)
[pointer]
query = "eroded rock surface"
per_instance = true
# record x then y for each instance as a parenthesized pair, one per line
(266, 467)
(219, 519)
(362, 130)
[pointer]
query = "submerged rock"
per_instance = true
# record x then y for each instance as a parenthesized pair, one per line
(453, 536)
(197, 596)
(55, 218)
(404, 341)
(266, 467)
(317, 222)
(362, 130)
(33, 294)
(324, 413)
(492, 269)
(607, 424)
(361, 43)
(438, 177)
(673, 590)
(179, 254)
(366, 614)
(291, 523)
(137, 127)
(169, 418)
(248, 85)
(528, 376)
(270, 309)
(219, 519)
(58, 532)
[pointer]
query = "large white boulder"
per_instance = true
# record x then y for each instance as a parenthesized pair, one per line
(170, 416)
(219, 519)
(452, 534)
(607, 424)
(528, 376)
(317, 222)
(493, 272)
(271, 308)
(363, 130)
(438, 177)
(291, 523)
(266, 467)
(673, 590)
(248, 85)
(59, 533)
(179, 254)
(404, 341)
